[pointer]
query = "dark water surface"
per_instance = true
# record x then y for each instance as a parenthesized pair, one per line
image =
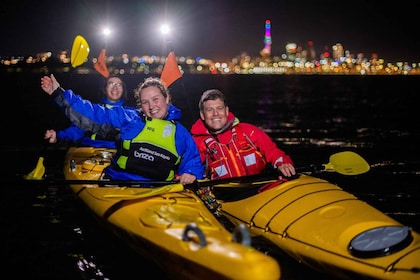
(48, 234)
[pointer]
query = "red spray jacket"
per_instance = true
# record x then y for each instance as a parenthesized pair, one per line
(240, 149)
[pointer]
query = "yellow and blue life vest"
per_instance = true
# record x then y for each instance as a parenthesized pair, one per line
(152, 153)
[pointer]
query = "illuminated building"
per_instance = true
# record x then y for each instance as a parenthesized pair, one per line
(266, 51)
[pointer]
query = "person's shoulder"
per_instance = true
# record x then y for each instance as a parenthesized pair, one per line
(252, 129)
(178, 124)
(128, 107)
(246, 125)
(174, 113)
(182, 130)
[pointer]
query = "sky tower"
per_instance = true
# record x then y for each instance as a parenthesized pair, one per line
(266, 51)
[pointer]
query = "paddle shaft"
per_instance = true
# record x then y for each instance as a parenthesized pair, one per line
(350, 164)
(133, 183)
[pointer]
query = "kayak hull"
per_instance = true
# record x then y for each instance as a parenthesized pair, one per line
(169, 225)
(329, 229)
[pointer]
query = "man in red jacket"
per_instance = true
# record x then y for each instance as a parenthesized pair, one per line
(229, 148)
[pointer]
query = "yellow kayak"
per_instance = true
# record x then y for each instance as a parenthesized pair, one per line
(323, 226)
(167, 224)
(315, 222)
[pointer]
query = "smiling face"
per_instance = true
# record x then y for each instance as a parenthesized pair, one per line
(214, 114)
(114, 89)
(153, 103)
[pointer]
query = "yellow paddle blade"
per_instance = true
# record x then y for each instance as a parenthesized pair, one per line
(38, 172)
(79, 51)
(347, 163)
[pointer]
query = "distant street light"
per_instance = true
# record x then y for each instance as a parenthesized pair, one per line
(106, 32)
(165, 30)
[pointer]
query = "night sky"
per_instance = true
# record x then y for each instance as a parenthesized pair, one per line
(214, 29)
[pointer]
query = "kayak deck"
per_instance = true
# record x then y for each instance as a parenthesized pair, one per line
(170, 225)
(329, 229)
(313, 221)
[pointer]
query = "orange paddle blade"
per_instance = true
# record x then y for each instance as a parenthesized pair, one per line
(170, 72)
(100, 64)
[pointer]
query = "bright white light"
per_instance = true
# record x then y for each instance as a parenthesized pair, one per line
(106, 31)
(165, 29)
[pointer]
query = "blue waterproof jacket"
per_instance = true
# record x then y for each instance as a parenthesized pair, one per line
(83, 138)
(97, 118)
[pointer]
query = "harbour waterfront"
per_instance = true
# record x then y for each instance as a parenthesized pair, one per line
(50, 235)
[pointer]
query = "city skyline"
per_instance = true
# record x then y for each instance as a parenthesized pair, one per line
(217, 30)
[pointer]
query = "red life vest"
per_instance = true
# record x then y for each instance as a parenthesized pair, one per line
(237, 158)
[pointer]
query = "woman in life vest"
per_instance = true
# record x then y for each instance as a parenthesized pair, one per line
(114, 94)
(230, 148)
(154, 145)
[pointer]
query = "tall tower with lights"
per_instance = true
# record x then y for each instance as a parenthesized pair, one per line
(266, 51)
